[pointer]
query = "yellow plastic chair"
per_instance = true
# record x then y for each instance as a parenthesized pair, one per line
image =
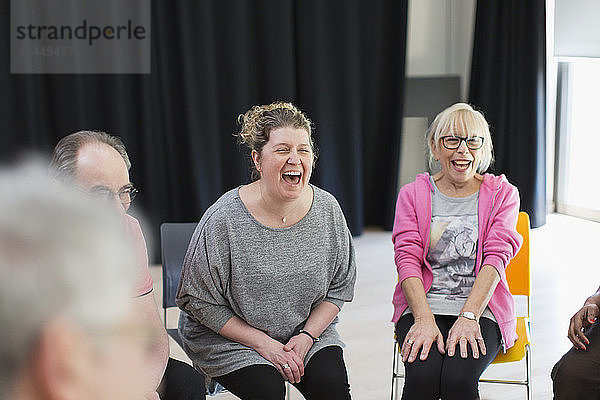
(519, 282)
(518, 275)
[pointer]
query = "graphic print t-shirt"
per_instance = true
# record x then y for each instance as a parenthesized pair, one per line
(452, 252)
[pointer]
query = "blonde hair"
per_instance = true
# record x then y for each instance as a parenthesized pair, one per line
(461, 117)
(258, 122)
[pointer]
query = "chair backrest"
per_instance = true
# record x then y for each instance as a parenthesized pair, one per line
(517, 272)
(174, 241)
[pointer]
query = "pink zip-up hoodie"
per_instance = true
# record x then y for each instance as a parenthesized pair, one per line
(498, 242)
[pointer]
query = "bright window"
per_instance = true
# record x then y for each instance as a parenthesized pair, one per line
(579, 175)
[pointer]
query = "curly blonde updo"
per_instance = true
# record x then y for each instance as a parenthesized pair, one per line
(258, 122)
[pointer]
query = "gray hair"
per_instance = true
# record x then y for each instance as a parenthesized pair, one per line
(63, 165)
(63, 255)
(463, 116)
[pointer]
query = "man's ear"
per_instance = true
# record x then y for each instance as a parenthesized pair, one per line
(59, 362)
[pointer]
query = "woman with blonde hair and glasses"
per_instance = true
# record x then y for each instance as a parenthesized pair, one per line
(267, 271)
(454, 234)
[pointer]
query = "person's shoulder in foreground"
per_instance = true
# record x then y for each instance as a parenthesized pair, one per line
(65, 260)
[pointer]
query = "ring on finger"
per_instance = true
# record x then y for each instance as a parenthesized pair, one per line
(409, 341)
(285, 366)
(462, 337)
(479, 338)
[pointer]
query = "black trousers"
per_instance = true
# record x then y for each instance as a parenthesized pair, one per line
(448, 378)
(181, 382)
(577, 374)
(325, 378)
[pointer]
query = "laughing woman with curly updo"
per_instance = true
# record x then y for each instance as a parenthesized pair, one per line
(267, 271)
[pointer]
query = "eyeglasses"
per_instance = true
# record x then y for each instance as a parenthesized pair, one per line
(125, 195)
(454, 142)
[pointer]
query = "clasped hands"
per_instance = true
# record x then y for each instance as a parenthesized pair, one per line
(288, 358)
(424, 332)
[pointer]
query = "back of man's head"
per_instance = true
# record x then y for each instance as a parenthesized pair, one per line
(64, 157)
(63, 257)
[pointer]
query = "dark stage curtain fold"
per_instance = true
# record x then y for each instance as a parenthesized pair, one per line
(508, 79)
(342, 61)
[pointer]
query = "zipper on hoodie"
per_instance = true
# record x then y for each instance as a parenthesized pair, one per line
(502, 342)
(426, 248)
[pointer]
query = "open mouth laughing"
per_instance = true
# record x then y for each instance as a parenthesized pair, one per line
(292, 177)
(461, 165)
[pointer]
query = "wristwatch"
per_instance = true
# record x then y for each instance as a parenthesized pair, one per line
(469, 315)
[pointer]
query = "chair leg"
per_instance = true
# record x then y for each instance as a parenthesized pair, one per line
(395, 372)
(528, 372)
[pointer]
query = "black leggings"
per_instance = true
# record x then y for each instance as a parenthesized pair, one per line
(181, 382)
(440, 376)
(325, 378)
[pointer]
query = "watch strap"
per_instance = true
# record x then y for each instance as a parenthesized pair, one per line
(314, 339)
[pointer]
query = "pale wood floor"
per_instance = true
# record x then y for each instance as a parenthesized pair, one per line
(564, 273)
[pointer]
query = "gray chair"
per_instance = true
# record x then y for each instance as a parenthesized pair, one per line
(174, 240)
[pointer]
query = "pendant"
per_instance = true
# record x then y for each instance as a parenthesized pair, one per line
(283, 220)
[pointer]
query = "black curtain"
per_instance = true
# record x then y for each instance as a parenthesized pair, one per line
(508, 79)
(341, 61)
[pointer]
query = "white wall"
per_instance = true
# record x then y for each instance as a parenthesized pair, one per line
(440, 39)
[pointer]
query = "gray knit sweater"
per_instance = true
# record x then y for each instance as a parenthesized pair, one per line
(271, 278)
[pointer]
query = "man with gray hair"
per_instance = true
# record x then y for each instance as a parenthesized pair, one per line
(98, 163)
(68, 329)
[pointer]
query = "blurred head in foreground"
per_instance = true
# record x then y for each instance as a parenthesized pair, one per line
(64, 295)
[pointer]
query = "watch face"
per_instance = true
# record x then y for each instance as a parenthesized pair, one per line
(469, 315)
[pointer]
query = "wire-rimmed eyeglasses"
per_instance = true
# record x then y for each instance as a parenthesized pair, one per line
(125, 195)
